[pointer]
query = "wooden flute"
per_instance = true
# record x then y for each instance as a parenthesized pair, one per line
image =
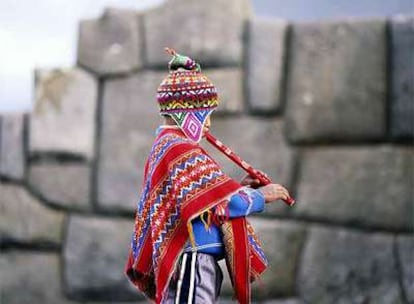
(254, 173)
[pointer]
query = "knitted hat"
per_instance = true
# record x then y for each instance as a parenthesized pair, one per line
(186, 95)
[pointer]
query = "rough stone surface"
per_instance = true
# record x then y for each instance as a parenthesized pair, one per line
(402, 82)
(406, 255)
(345, 266)
(94, 257)
(112, 43)
(30, 278)
(265, 60)
(337, 80)
(130, 116)
(362, 186)
(65, 184)
(282, 242)
(285, 301)
(12, 159)
(63, 120)
(24, 219)
(258, 141)
(212, 32)
(229, 84)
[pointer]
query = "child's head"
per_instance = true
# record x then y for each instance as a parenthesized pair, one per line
(187, 96)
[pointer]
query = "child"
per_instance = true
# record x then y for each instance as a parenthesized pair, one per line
(190, 214)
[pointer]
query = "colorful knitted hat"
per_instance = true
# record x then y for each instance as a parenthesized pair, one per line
(186, 95)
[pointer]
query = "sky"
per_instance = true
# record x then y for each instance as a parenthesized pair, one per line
(45, 35)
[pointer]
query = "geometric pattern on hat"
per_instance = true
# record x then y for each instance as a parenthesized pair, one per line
(180, 105)
(191, 123)
(186, 90)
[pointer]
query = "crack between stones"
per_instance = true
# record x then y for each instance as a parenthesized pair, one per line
(295, 172)
(93, 195)
(62, 270)
(388, 83)
(398, 267)
(246, 40)
(26, 120)
(7, 245)
(56, 157)
(306, 236)
(285, 70)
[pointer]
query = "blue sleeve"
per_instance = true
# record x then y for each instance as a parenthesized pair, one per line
(245, 202)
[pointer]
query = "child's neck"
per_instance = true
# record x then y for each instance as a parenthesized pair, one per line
(169, 126)
(169, 121)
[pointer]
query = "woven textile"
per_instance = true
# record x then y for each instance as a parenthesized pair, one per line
(180, 182)
(187, 95)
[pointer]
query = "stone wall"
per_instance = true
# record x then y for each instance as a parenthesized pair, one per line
(325, 108)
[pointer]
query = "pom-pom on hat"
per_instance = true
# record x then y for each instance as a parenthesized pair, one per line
(187, 95)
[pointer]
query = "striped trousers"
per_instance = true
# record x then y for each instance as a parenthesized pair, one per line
(198, 279)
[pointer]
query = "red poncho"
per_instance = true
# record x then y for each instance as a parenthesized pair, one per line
(181, 181)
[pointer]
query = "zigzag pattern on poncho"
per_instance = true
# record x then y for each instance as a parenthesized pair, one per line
(180, 182)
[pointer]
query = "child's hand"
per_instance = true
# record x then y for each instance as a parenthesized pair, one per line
(273, 192)
(249, 181)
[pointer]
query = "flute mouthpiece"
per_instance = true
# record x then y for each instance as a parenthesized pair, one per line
(290, 201)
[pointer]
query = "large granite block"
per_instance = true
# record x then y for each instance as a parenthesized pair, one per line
(406, 255)
(94, 257)
(402, 77)
(344, 266)
(63, 120)
(112, 43)
(209, 32)
(27, 277)
(265, 64)
(24, 219)
(336, 89)
(363, 186)
(282, 242)
(65, 184)
(12, 154)
(258, 141)
(130, 116)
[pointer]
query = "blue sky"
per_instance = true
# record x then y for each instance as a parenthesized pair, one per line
(44, 35)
